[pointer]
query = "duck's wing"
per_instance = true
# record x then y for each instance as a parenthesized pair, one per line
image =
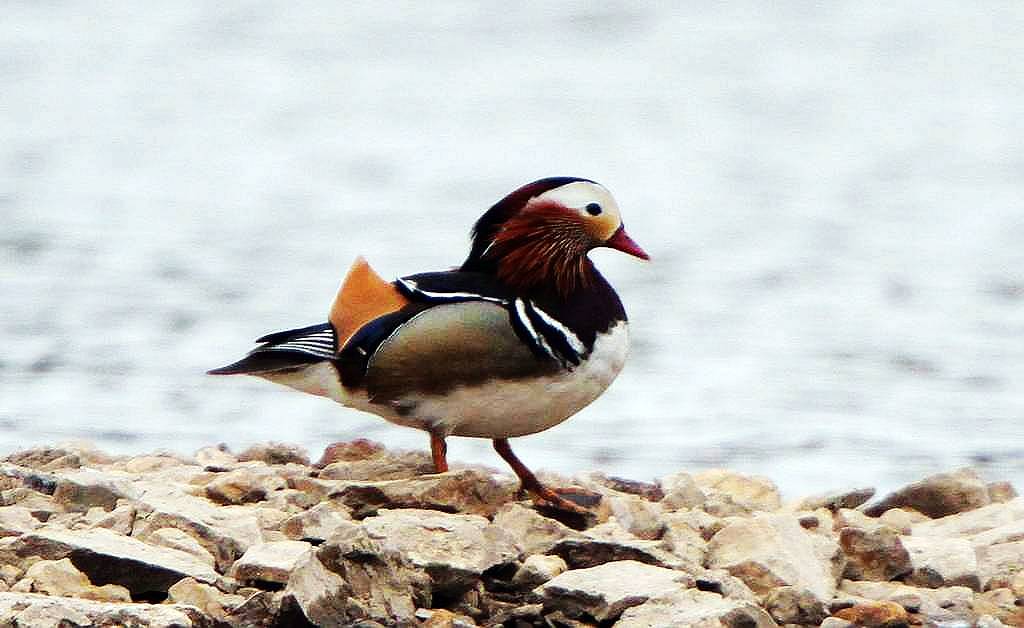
(542, 333)
(459, 330)
(449, 346)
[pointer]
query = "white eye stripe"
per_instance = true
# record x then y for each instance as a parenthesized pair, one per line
(580, 195)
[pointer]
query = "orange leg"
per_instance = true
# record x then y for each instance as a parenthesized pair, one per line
(530, 482)
(439, 451)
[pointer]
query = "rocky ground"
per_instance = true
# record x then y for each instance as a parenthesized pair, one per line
(368, 537)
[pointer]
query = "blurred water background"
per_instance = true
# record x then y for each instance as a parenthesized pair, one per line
(833, 194)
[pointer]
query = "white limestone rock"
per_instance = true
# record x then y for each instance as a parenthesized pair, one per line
(37, 610)
(938, 562)
(695, 609)
(60, 577)
(114, 558)
(454, 549)
(768, 551)
(605, 591)
(270, 562)
(538, 569)
(732, 493)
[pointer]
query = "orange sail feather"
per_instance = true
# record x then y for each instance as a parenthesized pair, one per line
(363, 296)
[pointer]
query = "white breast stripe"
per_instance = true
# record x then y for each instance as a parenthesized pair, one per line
(525, 320)
(570, 337)
(411, 286)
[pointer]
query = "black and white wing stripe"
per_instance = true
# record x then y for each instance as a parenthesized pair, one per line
(285, 351)
(316, 340)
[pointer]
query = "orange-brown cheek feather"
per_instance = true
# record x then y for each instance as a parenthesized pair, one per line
(543, 245)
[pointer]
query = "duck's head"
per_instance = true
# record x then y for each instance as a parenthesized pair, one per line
(543, 231)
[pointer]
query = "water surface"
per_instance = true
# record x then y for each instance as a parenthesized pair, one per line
(832, 194)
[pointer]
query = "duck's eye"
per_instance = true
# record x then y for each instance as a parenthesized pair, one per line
(593, 209)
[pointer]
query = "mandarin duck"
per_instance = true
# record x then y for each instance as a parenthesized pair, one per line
(516, 340)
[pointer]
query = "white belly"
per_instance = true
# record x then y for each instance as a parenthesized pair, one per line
(507, 408)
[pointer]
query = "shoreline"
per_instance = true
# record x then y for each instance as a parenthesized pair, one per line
(371, 537)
